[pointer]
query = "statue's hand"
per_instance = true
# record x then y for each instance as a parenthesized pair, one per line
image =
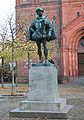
(49, 35)
(44, 36)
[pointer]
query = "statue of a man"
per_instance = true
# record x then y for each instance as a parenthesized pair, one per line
(41, 32)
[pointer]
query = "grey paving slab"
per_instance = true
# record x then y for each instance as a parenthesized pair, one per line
(73, 92)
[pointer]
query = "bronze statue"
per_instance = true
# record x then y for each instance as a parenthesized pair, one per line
(41, 31)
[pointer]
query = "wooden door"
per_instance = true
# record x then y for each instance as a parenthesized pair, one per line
(81, 64)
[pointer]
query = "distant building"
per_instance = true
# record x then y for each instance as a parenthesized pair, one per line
(68, 18)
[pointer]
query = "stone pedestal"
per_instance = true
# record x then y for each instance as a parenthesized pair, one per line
(43, 98)
(43, 84)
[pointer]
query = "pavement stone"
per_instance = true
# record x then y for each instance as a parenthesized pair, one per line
(72, 91)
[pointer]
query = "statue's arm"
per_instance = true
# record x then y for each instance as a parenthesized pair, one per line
(32, 26)
(48, 27)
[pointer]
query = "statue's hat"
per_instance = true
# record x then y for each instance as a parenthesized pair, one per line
(39, 9)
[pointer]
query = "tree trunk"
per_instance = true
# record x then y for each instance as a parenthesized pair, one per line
(2, 77)
(12, 92)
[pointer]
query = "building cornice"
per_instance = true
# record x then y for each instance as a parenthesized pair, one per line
(72, 1)
(24, 5)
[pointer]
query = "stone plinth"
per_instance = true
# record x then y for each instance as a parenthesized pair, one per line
(43, 98)
(43, 84)
(59, 104)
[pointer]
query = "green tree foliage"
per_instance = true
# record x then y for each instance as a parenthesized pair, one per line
(20, 50)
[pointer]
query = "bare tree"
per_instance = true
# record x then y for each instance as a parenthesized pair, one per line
(12, 34)
(3, 35)
(14, 29)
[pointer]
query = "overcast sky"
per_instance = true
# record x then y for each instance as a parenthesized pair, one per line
(6, 7)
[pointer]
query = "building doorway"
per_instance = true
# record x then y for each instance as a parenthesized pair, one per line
(81, 64)
(81, 57)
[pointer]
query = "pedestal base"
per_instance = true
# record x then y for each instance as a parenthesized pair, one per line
(43, 98)
(59, 114)
(43, 106)
(36, 109)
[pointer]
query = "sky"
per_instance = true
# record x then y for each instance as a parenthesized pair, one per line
(6, 7)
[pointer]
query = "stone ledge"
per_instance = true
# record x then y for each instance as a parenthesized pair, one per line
(60, 114)
(59, 104)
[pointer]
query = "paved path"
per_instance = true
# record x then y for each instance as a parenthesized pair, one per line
(73, 92)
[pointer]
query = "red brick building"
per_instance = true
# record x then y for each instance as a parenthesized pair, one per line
(68, 16)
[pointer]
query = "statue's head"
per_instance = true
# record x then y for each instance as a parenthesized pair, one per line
(39, 11)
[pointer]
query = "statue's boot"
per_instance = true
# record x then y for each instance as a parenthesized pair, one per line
(40, 60)
(46, 61)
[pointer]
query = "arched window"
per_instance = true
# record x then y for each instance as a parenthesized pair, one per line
(82, 41)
